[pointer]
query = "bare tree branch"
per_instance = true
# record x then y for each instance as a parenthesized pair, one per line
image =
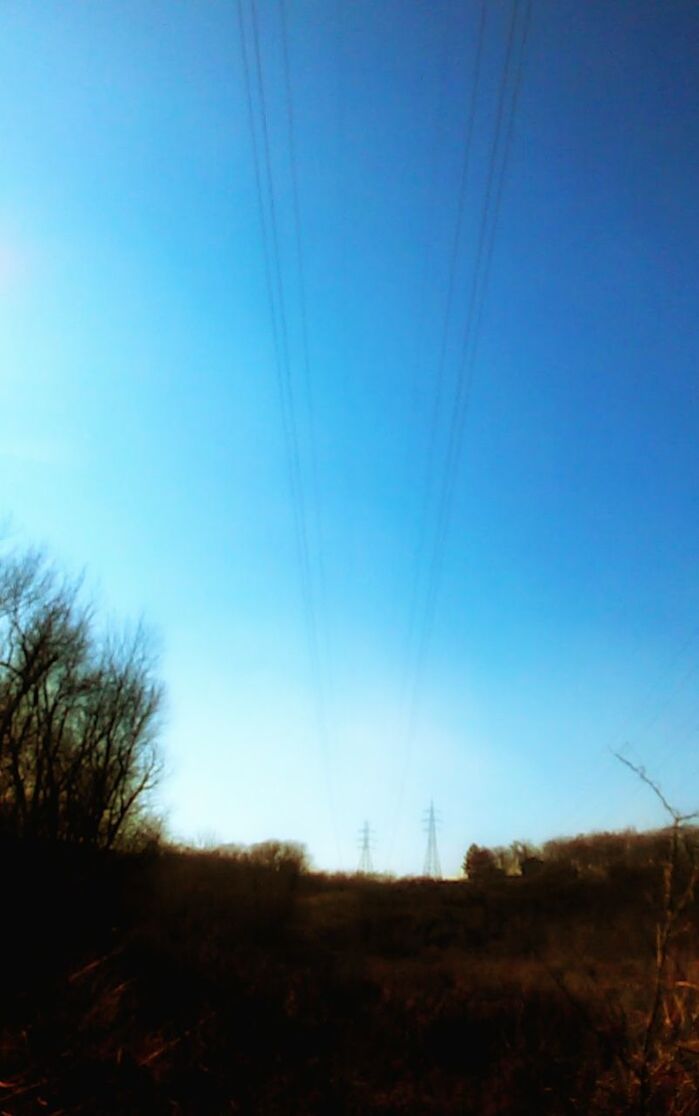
(677, 817)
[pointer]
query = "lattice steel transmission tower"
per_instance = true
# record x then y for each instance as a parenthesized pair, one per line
(365, 845)
(432, 865)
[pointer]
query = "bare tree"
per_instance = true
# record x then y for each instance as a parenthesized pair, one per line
(78, 715)
(671, 1016)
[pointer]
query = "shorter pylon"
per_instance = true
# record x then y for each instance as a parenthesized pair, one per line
(432, 865)
(365, 845)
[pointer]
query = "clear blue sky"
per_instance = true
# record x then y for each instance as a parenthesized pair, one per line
(141, 433)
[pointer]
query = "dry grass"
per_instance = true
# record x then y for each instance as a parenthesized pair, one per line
(203, 985)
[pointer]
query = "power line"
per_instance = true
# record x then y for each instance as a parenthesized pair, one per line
(485, 244)
(427, 253)
(277, 306)
(446, 322)
(263, 223)
(484, 251)
(321, 635)
(484, 255)
(264, 180)
(300, 256)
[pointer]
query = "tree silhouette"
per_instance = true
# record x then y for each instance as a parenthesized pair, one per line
(78, 713)
(479, 863)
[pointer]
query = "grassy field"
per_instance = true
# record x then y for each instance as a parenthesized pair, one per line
(183, 983)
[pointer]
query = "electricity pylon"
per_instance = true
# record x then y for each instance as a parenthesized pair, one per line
(365, 864)
(432, 865)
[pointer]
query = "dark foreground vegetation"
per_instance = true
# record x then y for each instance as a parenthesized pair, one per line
(142, 979)
(174, 982)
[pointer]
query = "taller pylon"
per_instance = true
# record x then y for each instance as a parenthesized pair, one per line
(365, 863)
(432, 865)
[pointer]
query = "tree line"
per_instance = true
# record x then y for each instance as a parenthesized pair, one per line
(592, 854)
